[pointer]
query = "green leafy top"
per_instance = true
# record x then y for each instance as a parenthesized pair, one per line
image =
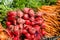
(32, 3)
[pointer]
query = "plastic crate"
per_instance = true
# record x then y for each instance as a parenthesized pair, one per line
(53, 38)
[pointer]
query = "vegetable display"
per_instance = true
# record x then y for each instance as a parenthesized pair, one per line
(25, 24)
(51, 20)
(29, 19)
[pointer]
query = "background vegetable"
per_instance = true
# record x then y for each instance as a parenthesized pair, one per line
(3, 10)
(31, 3)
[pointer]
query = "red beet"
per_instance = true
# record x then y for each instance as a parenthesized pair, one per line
(27, 22)
(38, 37)
(19, 13)
(29, 27)
(11, 27)
(20, 21)
(43, 32)
(21, 26)
(28, 35)
(39, 22)
(26, 10)
(16, 30)
(26, 16)
(32, 23)
(39, 14)
(24, 31)
(16, 27)
(12, 13)
(35, 38)
(8, 23)
(16, 38)
(26, 26)
(32, 36)
(32, 30)
(16, 33)
(31, 13)
(43, 25)
(38, 18)
(32, 19)
(14, 22)
(37, 27)
(26, 39)
(11, 18)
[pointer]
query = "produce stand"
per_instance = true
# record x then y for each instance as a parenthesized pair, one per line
(29, 19)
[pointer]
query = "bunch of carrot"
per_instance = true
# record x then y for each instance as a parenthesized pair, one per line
(51, 18)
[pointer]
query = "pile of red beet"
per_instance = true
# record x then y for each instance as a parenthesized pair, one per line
(25, 24)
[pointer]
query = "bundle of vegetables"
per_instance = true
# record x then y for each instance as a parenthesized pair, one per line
(51, 20)
(25, 24)
(3, 10)
(58, 10)
(58, 2)
(3, 34)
